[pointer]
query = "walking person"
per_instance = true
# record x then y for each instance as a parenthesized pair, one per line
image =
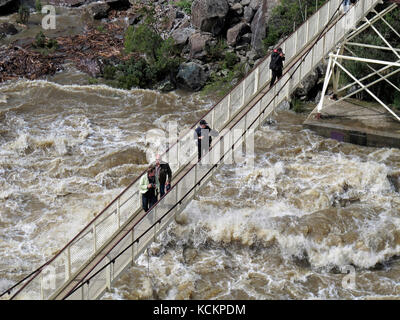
(346, 5)
(203, 134)
(149, 186)
(163, 174)
(276, 65)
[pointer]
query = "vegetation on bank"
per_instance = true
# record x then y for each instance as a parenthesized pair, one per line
(185, 5)
(158, 57)
(287, 17)
(44, 45)
(23, 14)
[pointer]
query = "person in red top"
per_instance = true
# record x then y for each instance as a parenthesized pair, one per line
(276, 65)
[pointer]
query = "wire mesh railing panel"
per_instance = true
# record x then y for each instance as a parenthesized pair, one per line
(166, 203)
(76, 295)
(32, 291)
(187, 146)
(81, 249)
(97, 283)
(323, 15)
(253, 113)
(249, 89)
(124, 258)
(334, 4)
(329, 40)
(318, 50)
(307, 64)
(236, 98)
(185, 185)
(221, 114)
(264, 72)
(290, 50)
(105, 228)
(172, 157)
(54, 276)
(130, 205)
(313, 26)
(301, 37)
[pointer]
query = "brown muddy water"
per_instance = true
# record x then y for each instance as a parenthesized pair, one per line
(286, 228)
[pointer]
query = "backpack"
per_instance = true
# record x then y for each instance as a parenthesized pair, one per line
(274, 64)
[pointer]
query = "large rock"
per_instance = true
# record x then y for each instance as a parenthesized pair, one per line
(307, 84)
(8, 6)
(260, 20)
(235, 32)
(191, 76)
(181, 36)
(248, 14)
(197, 43)
(7, 29)
(98, 10)
(210, 15)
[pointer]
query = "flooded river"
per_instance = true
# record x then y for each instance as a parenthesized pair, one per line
(291, 227)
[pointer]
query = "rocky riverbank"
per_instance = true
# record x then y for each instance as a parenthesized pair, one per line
(210, 37)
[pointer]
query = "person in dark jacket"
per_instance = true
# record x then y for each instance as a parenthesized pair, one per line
(203, 134)
(164, 175)
(276, 65)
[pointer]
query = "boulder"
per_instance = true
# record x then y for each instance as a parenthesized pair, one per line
(248, 14)
(191, 76)
(181, 36)
(237, 8)
(259, 30)
(8, 6)
(120, 5)
(7, 29)
(98, 10)
(166, 86)
(254, 4)
(307, 84)
(197, 43)
(235, 32)
(245, 39)
(245, 2)
(210, 15)
(283, 106)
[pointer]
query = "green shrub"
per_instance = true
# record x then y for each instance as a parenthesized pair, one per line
(298, 106)
(101, 28)
(161, 56)
(289, 14)
(216, 52)
(93, 81)
(40, 40)
(396, 100)
(185, 5)
(23, 14)
(38, 6)
(230, 60)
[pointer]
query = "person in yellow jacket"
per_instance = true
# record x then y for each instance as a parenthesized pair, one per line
(149, 187)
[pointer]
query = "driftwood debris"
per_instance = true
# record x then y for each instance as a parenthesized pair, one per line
(84, 50)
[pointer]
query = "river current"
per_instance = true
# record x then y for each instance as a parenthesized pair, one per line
(311, 212)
